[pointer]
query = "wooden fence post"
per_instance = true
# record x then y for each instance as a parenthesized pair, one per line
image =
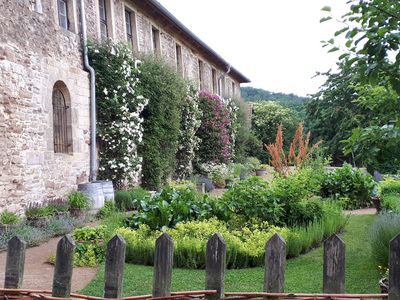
(63, 268)
(215, 266)
(334, 265)
(15, 263)
(275, 261)
(394, 268)
(114, 267)
(163, 262)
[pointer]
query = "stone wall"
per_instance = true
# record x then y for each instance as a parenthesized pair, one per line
(34, 54)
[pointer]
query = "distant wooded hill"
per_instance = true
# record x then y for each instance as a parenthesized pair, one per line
(251, 94)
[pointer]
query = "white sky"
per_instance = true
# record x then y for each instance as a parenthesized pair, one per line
(275, 43)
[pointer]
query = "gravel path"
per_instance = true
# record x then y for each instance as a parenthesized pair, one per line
(39, 275)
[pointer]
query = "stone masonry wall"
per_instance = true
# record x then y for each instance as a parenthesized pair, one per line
(34, 54)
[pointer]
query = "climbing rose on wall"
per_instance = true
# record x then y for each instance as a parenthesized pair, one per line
(118, 109)
(188, 141)
(215, 131)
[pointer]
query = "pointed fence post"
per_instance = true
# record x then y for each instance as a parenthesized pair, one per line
(63, 268)
(334, 265)
(114, 267)
(15, 263)
(215, 266)
(275, 261)
(163, 262)
(394, 268)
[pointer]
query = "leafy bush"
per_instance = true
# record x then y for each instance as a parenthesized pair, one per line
(138, 194)
(9, 218)
(351, 183)
(385, 227)
(389, 186)
(291, 190)
(166, 91)
(89, 245)
(78, 200)
(252, 198)
(108, 208)
(245, 247)
(171, 207)
(391, 202)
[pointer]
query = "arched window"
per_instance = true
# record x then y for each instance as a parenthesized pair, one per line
(62, 129)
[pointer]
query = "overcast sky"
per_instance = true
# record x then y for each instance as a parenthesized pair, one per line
(275, 43)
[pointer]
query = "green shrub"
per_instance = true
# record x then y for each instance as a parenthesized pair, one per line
(89, 245)
(351, 183)
(138, 194)
(391, 202)
(290, 191)
(78, 200)
(385, 227)
(170, 207)
(303, 238)
(252, 198)
(123, 200)
(38, 210)
(245, 248)
(57, 205)
(389, 186)
(108, 208)
(166, 90)
(9, 218)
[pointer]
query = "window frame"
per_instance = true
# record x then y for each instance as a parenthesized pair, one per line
(65, 16)
(133, 38)
(156, 40)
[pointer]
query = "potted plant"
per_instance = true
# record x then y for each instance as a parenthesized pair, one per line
(78, 204)
(37, 215)
(8, 220)
(59, 208)
(261, 170)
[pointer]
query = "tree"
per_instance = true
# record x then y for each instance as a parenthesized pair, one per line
(372, 40)
(267, 116)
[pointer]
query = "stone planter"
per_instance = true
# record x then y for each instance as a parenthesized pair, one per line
(38, 222)
(261, 172)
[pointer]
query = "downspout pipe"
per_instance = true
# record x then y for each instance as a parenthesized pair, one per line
(228, 70)
(89, 68)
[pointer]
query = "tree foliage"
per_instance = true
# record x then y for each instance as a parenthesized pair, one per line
(371, 29)
(166, 91)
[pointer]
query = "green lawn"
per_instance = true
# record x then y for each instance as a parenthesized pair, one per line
(303, 274)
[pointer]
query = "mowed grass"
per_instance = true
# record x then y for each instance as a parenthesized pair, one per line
(303, 274)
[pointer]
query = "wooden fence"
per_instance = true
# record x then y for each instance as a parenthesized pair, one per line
(274, 279)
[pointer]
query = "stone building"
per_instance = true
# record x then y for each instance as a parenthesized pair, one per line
(45, 90)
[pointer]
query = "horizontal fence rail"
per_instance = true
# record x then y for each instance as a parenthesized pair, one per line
(274, 274)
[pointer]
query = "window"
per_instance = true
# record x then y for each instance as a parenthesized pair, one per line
(233, 89)
(201, 67)
(179, 60)
(130, 26)
(155, 33)
(221, 86)
(63, 14)
(62, 125)
(214, 81)
(103, 19)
